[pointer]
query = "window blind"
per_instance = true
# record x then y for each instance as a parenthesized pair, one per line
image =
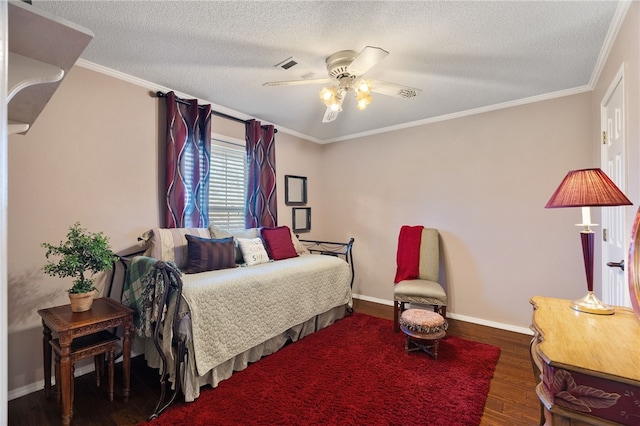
(227, 187)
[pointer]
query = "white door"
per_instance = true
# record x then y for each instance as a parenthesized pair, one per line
(4, 47)
(614, 243)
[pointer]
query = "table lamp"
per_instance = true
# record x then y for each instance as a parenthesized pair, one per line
(588, 188)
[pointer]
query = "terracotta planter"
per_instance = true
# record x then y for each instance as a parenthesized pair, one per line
(81, 302)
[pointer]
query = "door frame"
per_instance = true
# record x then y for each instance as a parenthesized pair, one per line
(4, 165)
(618, 79)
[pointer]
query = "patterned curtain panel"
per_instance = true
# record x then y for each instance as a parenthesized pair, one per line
(261, 188)
(188, 156)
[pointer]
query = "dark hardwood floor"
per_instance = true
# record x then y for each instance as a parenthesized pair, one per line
(512, 399)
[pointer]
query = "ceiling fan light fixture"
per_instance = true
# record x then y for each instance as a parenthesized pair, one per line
(330, 97)
(363, 100)
(364, 86)
(345, 70)
(327, 94)
(336, 104)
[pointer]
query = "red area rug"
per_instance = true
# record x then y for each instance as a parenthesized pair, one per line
(354, 372)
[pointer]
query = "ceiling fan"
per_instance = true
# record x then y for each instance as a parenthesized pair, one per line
(345, 70)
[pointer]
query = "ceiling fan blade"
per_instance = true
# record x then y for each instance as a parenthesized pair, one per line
(330, 115)
(366, 59)
(393, 89)
(299, 82)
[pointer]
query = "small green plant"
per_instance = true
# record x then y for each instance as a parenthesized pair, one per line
(82, 252)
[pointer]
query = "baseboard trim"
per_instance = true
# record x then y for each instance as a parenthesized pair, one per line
(493, 324)
(39, 385)
(473, 320)
(373, 299)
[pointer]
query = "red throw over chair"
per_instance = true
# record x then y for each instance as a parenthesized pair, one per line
(424, 290)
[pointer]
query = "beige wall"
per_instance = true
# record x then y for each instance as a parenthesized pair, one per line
(483, 182)
(93, 156)
(299, 157)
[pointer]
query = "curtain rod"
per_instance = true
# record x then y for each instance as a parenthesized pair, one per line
(219, 114)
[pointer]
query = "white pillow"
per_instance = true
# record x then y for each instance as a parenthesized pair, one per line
(170, 244)
(253, 251)
(217, 232)
(235, 233)
(300, 248)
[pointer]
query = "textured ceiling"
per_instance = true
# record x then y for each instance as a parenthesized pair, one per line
(463, 55)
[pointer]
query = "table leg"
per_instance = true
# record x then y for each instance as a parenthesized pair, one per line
(57, 375)
(126, 355)
(46, 355)
(98, 362)
(110, 361)
(65, 377)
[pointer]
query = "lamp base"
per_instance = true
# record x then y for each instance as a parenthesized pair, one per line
(592, 305)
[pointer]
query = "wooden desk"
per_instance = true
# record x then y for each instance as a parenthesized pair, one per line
(104, 314)
(588, 365)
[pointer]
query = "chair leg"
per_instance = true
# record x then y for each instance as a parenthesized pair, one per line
(396, 316)
(443, 311)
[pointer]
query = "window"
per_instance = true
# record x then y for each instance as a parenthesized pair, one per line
(228, 183)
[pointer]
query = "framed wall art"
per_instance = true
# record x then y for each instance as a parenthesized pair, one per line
(295, 190)
(301, 218)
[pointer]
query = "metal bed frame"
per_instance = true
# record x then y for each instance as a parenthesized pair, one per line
(173, 283)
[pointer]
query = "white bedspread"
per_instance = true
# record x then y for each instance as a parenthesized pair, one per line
(233, 310)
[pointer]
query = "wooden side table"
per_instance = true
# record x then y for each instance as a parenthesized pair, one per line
(588, 365)
(105, 313)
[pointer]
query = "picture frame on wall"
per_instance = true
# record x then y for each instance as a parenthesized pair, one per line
(295, 190)
(301, 218)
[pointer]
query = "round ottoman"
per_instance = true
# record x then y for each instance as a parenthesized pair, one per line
(422, 330)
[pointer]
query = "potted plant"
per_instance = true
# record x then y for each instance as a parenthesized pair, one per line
(82, 252)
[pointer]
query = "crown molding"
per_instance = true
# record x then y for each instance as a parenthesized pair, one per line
(612, 34)
(466, 113)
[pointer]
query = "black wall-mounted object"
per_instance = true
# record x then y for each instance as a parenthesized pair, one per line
(295, 190)
(301, 218)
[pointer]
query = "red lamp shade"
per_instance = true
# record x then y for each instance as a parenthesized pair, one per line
(587, 187)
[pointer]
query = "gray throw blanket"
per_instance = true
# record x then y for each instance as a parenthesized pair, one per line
(143, 290)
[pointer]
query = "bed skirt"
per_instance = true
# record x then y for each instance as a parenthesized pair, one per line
(192, 382)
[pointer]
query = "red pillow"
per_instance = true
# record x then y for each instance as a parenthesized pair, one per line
(278, 242)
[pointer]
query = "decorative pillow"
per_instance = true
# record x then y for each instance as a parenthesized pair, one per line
(300, 248)
(278, 242)
(170, 244)
(253, 251)
(209, 255)
(250, 233)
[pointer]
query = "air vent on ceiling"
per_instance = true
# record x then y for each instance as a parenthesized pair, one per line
(407, 93)
(296, 68)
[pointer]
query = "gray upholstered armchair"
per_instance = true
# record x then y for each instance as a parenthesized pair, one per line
(425, 289)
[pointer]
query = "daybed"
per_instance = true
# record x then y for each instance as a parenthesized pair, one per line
(209, 301)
